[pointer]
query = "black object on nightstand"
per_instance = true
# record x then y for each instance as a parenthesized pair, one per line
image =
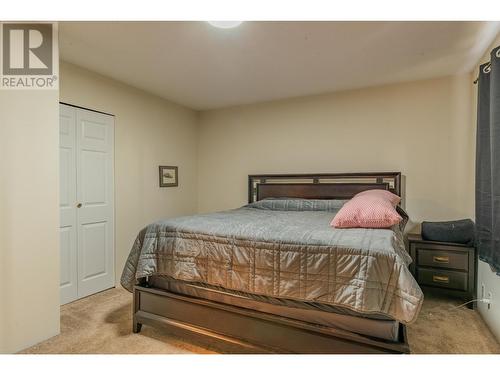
(444, 267)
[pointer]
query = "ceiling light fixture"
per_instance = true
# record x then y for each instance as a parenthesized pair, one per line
(225, 24)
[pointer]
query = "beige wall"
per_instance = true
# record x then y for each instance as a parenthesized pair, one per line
(29, 217)
(149, 132)
(486, 277)
(422, 129)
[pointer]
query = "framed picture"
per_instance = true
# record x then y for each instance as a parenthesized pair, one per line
(169, 176)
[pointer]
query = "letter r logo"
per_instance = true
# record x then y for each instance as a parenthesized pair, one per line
(27, 49)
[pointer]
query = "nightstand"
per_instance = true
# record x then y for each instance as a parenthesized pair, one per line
(444, 267)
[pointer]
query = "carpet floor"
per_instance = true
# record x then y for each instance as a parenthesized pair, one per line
(102, 324)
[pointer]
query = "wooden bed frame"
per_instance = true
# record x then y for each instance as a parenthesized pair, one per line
(232, 329)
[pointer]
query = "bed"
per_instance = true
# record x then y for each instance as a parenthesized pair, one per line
(274, 277)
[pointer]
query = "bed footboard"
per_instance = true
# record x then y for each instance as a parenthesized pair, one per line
(231, 329)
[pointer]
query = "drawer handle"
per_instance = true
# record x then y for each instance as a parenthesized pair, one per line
(441, 279)
(441, 259)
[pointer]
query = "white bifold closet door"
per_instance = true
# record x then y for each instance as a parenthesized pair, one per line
(86, 202)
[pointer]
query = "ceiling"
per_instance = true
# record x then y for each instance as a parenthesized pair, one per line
(202, 67)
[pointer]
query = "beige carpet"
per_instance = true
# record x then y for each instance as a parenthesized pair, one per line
(102, 324)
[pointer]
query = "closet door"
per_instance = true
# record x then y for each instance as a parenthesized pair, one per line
(86, 202)
(67, 204)
(95, 201)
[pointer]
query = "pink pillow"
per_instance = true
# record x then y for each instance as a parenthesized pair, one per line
(369, 209)
(383, 194)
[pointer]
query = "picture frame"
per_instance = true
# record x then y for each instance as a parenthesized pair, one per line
(168, 176)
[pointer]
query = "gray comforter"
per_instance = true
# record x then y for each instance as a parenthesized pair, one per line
(283, 248)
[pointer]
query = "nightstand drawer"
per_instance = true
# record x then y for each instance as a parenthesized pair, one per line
(441, 258)
(443, 278)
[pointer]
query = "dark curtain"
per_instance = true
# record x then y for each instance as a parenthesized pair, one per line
(488, 162)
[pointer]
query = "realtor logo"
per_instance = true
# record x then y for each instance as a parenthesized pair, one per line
(27, 49)
(29, 56)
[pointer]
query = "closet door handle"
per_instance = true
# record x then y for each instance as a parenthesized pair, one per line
(78, 205)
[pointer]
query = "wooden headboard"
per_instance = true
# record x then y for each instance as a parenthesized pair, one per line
(320, 186)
